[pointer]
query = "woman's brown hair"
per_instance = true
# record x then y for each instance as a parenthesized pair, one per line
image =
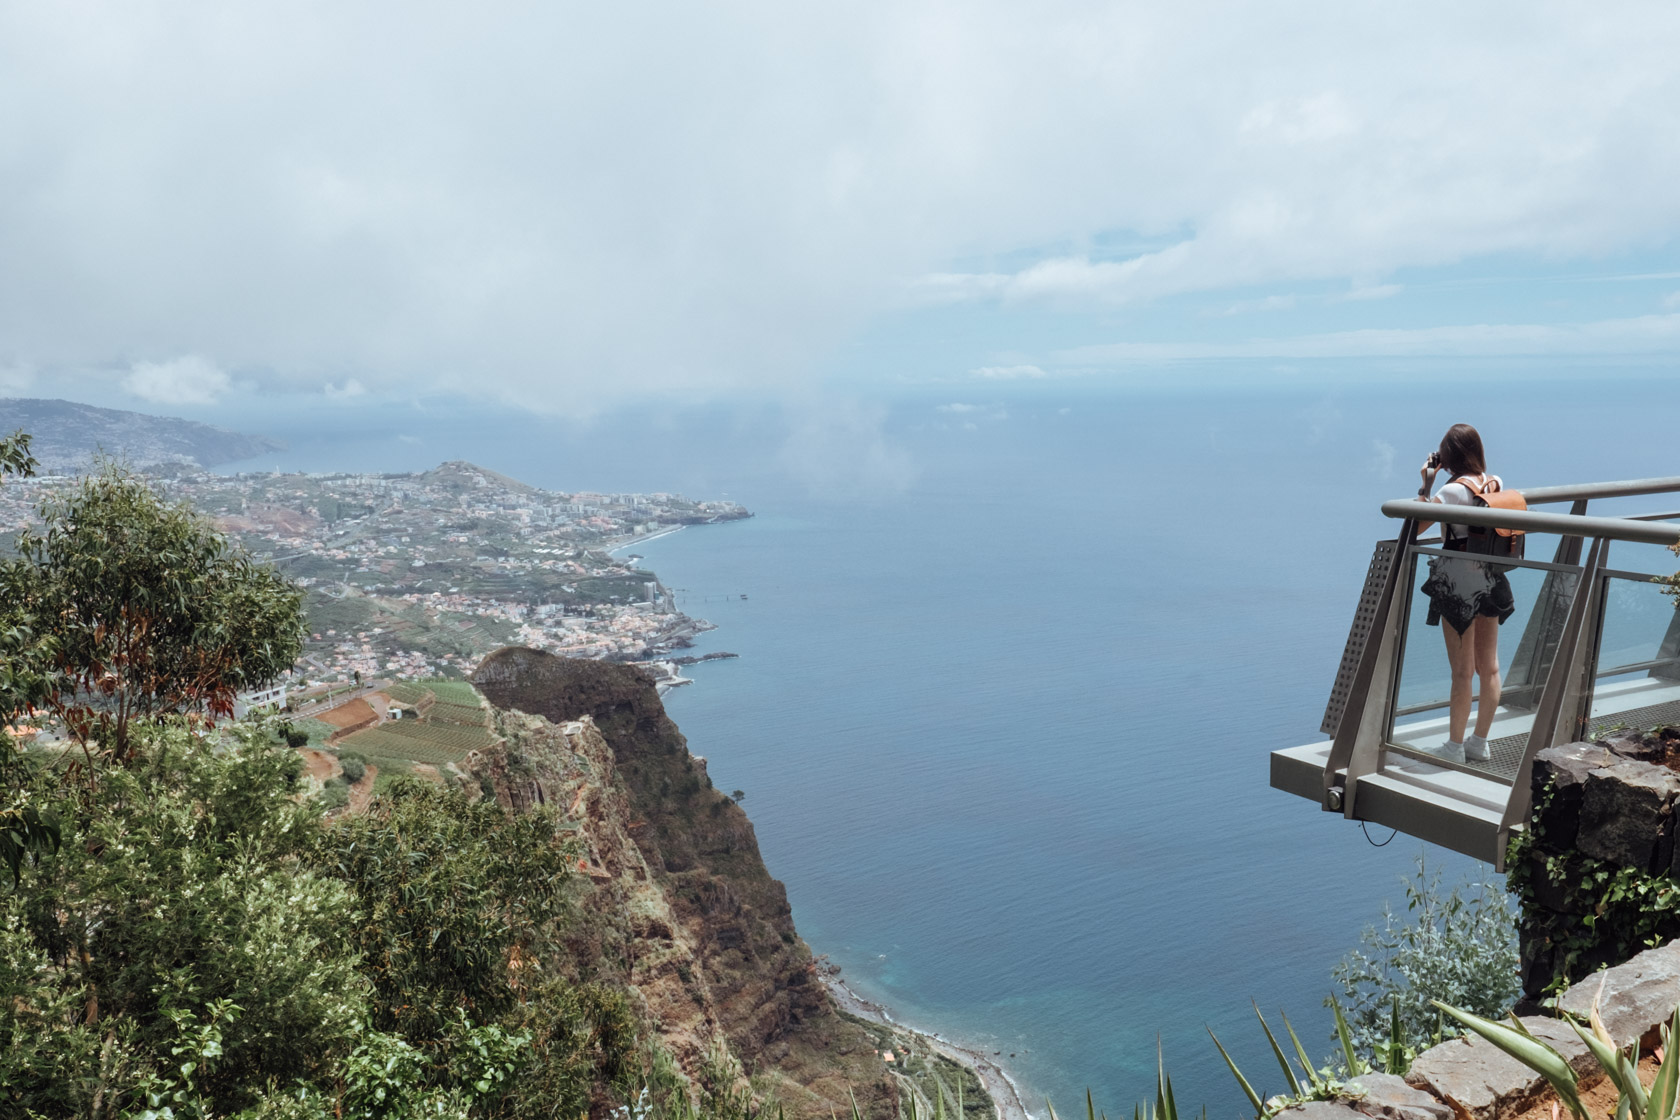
(1461, 451)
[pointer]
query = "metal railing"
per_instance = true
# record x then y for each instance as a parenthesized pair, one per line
(1558, 654)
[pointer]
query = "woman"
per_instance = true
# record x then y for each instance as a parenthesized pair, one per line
(1473, 596)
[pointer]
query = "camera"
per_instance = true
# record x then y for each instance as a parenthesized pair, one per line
(1434, 463)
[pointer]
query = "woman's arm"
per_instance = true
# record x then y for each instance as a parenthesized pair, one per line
(1430, 470)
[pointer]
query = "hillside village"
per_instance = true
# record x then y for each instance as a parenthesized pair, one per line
(415, 576)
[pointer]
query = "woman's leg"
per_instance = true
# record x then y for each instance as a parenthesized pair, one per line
(1461, 655)
(1483, 638)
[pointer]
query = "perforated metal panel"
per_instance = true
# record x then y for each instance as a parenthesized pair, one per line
(1358, 635)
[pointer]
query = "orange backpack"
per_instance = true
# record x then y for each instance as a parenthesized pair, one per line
(1494, 542)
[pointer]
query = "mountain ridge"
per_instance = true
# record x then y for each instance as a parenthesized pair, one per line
(68, 436)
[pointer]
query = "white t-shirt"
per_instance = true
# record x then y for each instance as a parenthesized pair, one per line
(1455, 493)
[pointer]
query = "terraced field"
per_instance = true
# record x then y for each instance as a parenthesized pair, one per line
(408, 692)
(458, 722)
(442, 712)
(455, 692)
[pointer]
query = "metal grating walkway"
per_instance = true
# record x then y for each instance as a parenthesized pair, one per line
(1637, 719)
(1508, 751)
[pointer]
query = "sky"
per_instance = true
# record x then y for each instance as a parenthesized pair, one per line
(575, 208)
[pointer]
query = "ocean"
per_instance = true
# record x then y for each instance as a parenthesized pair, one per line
(1010, 669)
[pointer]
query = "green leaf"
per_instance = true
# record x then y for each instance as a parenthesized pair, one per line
(1294, 1087)
(1166, 1108)
(1531, 1052)
(1248, 1090)
(1628, 1088)
(1661, 1099)
(1301, 1054)
(1355, 1067)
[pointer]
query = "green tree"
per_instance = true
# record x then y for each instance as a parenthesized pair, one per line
(141, 608)
(15, 457)
(23, 684)
(462, 907)
(25, 680)
(182, 907)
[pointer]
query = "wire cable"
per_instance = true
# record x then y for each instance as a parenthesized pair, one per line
(1372, 842)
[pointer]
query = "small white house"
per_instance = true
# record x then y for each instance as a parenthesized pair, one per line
(257, 698)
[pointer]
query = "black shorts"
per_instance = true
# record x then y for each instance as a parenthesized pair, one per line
(1462, 589)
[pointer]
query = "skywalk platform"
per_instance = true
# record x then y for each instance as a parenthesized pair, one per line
(1597, 648)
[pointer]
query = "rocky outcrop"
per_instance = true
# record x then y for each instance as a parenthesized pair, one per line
(1471, 1079)
(1596, 869)
(690, 915)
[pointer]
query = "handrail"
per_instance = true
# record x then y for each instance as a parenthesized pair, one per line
(1564, 524)
(1541, 495)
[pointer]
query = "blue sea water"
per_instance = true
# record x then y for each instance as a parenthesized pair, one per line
(1002, 714)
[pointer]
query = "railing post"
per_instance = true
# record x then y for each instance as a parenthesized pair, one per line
(1536, 647)
(1557, 717)
(1359, 737)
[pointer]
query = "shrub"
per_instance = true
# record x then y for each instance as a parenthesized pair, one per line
(1459, 948)
(178, 906)
(448, 889)
(353, 765)
(334, 795)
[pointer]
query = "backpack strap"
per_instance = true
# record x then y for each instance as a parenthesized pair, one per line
(1474, 493)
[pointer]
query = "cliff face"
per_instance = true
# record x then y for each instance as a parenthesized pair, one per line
(691, 918)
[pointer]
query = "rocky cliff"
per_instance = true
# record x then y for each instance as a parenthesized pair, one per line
(689, 915)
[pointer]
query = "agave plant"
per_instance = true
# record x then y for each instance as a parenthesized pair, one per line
(1633, 1100)
(1313, 1084)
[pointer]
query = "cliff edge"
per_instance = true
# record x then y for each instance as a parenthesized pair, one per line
(695, 923)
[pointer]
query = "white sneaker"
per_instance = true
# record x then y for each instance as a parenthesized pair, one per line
(1448, 751)
(1476, 749)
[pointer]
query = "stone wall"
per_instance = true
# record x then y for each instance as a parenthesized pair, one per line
(1596, 872)
(1471, 1079)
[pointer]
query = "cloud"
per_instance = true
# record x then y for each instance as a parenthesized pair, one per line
(16, 379)
(351, 388)
(565, 207)
(184, 380)
(1360, 293)
(1267, 303)
(973, 415)
(1382, 458)
(1008, 373)
(1302, 120)
(839, 448)
(1645, 334)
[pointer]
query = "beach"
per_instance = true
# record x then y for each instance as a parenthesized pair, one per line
(644, 538)
(1005, 1094)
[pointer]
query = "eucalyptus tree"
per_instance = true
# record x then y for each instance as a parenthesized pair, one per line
(138, 608)
(23, 826)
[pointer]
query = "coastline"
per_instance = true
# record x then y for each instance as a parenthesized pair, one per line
(644, 538)
(1005, 1094)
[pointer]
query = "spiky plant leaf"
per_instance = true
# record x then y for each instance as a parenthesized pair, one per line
(1248, 1090)
(1292, 1086)
(1313, 1077)
(1165, 1107)
(1531, 1052)
(1616, 1067)
(1344, 1034)
(1661, 1100)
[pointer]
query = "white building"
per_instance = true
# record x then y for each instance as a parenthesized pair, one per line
(253, 699)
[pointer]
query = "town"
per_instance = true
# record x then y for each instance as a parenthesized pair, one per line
(412, 576)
